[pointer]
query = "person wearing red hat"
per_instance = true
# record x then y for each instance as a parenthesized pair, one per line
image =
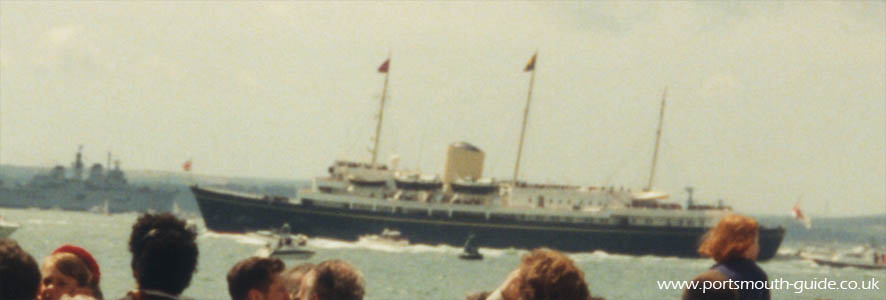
(70, 271)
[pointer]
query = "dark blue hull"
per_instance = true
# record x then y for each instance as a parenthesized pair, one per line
(226, 212)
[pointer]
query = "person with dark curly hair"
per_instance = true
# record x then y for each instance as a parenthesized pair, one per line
(544, 274)
(19, 273)
(164, 257)
(332, 280)
(257, 278)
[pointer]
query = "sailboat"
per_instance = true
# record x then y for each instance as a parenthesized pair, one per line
(470, 251)
(360, 198)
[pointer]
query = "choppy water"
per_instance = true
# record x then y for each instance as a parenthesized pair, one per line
(400, 272)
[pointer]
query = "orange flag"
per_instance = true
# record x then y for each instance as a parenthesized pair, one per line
(187, 166)
(531, 64)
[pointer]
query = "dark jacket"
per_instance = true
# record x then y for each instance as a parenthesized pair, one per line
(746, 270)
(150, 295)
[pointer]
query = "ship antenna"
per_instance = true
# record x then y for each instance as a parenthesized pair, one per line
(530, 67)
(78, 164)
(384, 68)
(657, 139)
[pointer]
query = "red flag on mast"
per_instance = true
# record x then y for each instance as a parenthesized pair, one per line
(187, 166)
(384, 66)
(530, 66)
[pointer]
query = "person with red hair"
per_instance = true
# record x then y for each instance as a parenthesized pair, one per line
(70, 271)
(734, 245)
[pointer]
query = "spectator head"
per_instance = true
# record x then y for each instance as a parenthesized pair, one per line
(546, 274)
(19, 273)
(734, 237)
(711, 286)
(70, 270)
(332, 280)
(257, 278)
(164, 253)
(292, 278)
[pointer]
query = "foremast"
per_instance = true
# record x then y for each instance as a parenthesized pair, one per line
(657, 139)
(381, 109)
(530, 67)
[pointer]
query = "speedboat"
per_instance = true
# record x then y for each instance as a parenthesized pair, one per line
(7, 227)
(287, 246)
(862, 257)
(388, 237)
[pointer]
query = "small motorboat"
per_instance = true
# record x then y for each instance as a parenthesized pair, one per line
(387, 237)
(470, 252)
(862, 257)
(286, 246)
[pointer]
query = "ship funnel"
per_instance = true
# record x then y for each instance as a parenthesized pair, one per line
(463, 160)
(395, 162)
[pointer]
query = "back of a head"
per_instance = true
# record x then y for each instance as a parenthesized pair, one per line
(252, 273)
(711, 286)
(19, 273)
(336, 279)
(546, 274)
(164, 253)
(730, 238)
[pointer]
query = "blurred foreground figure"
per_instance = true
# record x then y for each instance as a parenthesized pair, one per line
(68, 272)
(734, 244)
(543, 274)
(714, 285)
(19, 274)
(292, 278)
(164, 257)
(257, 278)
(332, 280)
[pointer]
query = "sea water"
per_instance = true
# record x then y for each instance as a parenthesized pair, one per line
(400, 272)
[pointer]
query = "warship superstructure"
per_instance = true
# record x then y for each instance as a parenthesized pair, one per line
(97, 189)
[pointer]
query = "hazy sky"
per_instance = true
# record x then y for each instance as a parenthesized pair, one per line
(767, 102)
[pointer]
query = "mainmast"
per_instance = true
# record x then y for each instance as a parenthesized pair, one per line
(381, 109)
(530, 67)
(657, 139)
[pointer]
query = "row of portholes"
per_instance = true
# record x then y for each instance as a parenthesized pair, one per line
(672, 222)
(568, 202)
(565, 219)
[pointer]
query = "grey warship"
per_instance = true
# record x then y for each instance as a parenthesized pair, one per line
(99, 190)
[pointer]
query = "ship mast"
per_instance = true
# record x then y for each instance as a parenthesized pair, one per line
(381, 109)
(530, 67)
(657, 139)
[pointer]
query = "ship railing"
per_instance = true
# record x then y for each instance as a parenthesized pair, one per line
(450, 209)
